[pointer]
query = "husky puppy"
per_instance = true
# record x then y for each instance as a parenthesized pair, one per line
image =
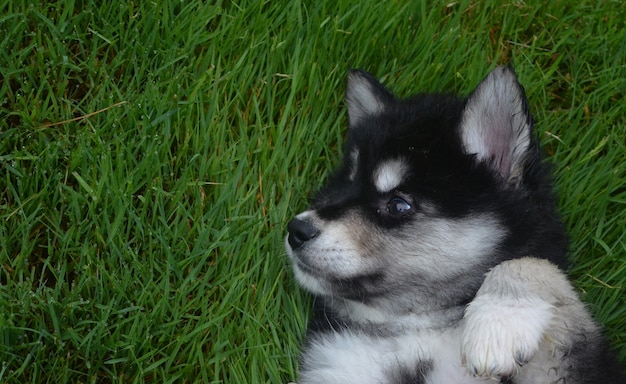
(435, 252)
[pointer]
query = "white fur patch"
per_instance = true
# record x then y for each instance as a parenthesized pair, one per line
(390, 174)
(501, 335)
(348, 357)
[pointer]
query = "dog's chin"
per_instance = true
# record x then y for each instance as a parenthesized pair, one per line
(304, 275)
(309, 282)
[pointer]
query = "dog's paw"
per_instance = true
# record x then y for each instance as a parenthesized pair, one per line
(500, 335)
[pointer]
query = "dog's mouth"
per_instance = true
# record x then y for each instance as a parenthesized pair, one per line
(306, 268)
(298, 262)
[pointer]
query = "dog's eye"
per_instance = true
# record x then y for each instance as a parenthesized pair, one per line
(398, 206)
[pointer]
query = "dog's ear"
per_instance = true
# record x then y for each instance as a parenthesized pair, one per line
(365, 97)
(496, 125)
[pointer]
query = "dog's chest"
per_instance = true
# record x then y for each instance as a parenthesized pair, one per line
(425, 356)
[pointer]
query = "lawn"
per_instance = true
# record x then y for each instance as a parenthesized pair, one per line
(151, 154)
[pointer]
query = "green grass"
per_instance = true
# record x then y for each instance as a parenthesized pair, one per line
(142, 240)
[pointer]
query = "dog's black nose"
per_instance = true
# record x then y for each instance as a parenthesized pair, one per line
(300, 231)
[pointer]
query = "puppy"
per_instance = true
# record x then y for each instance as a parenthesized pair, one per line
(435, 252)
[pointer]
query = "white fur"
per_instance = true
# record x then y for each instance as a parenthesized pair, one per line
(502, 334)
(348, 358)
(390, 174)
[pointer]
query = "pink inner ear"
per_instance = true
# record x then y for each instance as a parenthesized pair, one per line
(496, 126)
(498, 143)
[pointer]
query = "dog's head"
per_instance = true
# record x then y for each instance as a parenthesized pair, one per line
(432, 192)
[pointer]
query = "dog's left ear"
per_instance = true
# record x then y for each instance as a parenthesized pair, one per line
(365, 97)
(496, 125)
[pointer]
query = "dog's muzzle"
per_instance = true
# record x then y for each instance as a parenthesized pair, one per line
(300, 231)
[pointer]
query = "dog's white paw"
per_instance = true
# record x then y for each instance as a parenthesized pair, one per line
(502, 335)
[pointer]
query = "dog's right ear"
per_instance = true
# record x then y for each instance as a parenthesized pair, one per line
(365, 97)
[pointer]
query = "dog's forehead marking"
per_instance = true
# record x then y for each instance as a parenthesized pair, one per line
(390, 174)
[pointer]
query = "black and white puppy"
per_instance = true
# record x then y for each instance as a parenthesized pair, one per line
(435, 252)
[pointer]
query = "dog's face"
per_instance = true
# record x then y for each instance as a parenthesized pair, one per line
(416, 207)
